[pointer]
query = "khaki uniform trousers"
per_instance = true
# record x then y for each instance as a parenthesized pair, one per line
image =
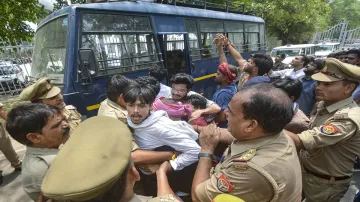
(322, 190)
(7, 149)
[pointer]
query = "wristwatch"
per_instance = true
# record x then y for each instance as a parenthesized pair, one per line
(207, 155)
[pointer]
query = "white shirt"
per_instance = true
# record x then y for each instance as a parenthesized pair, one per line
(289, 73)
(158, 130)
(34, 167)
(165, 91)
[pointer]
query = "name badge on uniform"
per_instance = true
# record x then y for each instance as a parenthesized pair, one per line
(224, 185)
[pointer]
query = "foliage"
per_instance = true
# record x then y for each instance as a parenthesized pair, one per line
(14, 13)
(346, 10)
(59, 4)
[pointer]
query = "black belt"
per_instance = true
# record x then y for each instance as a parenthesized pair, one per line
(326, 177)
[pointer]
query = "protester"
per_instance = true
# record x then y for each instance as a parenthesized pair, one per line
(254, 69)
(330, 146)
(181, 85)
(293, 88)
(155, 131)
(115, 106)
(42, 129)
(93, 167)
(262, 163)
(279, 65)
(159, 73)
(224, 77)
(307, 99)
(6, 147)
(353, 57)
(149, 81)
(341, 55)
(297, 70)
(42, 91)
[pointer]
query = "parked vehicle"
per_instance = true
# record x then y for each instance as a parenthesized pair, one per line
(11, 77)
(291, 51)
(322, 50)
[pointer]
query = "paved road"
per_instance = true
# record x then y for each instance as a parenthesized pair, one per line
(11, 189)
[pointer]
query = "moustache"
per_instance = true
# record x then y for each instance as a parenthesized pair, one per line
(136, 115)
(66, 131)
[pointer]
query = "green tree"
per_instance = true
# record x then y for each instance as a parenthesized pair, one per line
(345, 10)
(59, 4)
(13, 15)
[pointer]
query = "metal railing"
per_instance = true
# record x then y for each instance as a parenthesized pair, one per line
(15, 67)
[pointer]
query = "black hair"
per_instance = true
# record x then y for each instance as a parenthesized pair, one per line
(263, 62)
(340, 53)
(305, 59)
(116, 86)
(28, 118)
(354, 51)
(292, 87)
(269, 106)
(149, 81)
(182, 78)
(331, 55)
(146, 94)
(198, 101)
(318, 63)
(283, 56)
(158, 73)
(116, 192)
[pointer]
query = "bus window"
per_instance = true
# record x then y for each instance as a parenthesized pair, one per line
(302, 51)
(208, 30)
(252, 36)
(235, 32)
(174, 53)
(191, 29)
(120, 43)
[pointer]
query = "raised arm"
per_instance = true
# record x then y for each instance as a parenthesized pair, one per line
(141, 157)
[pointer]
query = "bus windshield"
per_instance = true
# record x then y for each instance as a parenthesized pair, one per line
(287, 52)
(50, 50)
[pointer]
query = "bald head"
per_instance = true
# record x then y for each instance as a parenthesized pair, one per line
(269, 106)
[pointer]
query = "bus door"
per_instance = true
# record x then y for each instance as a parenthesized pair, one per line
(175, 53)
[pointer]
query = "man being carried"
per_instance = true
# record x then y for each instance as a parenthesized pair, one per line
(42, 129)
(154, 130)
(330, 146)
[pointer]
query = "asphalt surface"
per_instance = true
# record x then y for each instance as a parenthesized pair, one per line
(12, 191)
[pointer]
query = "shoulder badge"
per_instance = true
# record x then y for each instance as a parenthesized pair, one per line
(224, 185)
(71, 107)
(247, 156)
(169, 197)
(328, 129)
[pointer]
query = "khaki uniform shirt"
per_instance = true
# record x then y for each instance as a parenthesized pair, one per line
(34, 167)
(72, 116)
(138, 198)
(332, 143)
(112, 109)
(264, 169)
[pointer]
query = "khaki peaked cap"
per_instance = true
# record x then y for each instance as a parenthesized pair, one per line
(90, 162)
(41, 89)
(335, 70)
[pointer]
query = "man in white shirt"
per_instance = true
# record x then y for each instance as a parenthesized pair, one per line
(159, 73)
(181, 85)
(154, 130)
(297, 72)
(42, 129)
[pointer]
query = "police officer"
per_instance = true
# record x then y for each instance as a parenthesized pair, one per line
(94, 165)
(331, 145)
(42, 91)
(261, 164)
(5, 146)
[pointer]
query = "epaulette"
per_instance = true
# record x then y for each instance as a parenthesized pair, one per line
(240, 162)
(70, 107)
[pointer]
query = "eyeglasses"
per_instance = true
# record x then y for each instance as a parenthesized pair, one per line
(178, 91)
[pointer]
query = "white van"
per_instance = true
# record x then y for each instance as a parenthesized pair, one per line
(291, 51)
(324, 49)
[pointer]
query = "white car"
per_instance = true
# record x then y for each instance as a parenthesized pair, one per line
(291, 51)
(11, 77)
(324, 49)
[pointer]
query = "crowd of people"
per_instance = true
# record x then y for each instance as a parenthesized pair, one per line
(271, 132)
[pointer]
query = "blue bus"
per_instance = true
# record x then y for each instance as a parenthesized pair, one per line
(81, 46)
